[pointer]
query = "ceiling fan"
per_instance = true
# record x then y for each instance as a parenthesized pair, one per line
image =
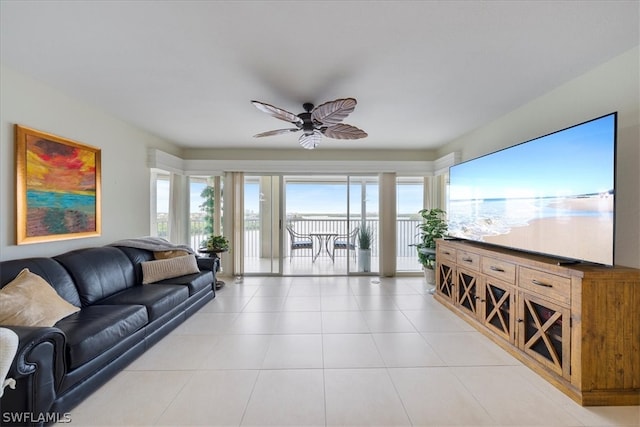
(324, 120)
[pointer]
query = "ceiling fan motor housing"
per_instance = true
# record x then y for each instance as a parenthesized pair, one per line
(307, 123)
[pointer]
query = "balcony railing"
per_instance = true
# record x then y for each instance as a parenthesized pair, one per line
(406, 233)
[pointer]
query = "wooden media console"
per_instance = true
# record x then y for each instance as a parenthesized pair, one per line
(576, 325)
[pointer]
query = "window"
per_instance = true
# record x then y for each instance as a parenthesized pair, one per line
(205, 213)
(410, 200)
(160, 187)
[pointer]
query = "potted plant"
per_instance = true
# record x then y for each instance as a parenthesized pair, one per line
(364, 248)
(215, 244)
(433, 226)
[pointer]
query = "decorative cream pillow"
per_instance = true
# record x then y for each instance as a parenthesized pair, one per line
(153, 271)
(28, 300)
(170, 254)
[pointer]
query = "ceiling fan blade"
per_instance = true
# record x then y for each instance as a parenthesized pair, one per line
(344, 131)
(278, 113)
(275, 132)
(310, 141)
(332, 113)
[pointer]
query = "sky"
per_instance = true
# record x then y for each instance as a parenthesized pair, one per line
(577, 160)
(310, 198)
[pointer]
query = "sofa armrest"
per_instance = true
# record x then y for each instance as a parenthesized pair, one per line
(38, 368)
(26, 361)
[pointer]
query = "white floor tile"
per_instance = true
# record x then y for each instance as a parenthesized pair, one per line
(362, 397)
(299, 322)
(500, 391)
(255, 323)
(387, 321)
(130, 398)
(264, 304)
(176, 352)
(301, 303)
(236, 290)
(304, 289)
(406, 350)
(468, 349)
(226, 304)
(339, 303)
(435, 397)
(376, 302)
(343, 322)
(350, 351)
(287, 398)
(211, 398)
(237, 352)
(437, 321)
(207, 324)
(335, 287)
(294, 352)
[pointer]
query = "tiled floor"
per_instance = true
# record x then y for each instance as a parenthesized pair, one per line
(328, 352)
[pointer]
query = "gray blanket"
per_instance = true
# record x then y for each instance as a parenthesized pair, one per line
(155, 244)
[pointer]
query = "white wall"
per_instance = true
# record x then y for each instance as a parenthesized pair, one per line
(613, 86)
(125, 175)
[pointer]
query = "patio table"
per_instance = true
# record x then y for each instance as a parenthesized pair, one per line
(323, 238)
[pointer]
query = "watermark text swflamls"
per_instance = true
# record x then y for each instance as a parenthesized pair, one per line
(10, 418)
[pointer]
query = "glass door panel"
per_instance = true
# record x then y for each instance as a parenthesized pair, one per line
(316, 220)
(410, 199)
(363, 216)
(262, 225)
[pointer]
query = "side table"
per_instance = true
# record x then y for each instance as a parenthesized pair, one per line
(214, 253)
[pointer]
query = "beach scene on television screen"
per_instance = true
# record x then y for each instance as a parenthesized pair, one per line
(552, 195)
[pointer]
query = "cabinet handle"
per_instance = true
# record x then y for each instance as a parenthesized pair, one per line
(520, 320)
(467, 259)
(446, 252)
(498, 269)
(538, 283)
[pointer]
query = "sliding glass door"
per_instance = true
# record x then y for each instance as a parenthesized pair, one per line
(262, 230)
(310, 225)
(363, 222)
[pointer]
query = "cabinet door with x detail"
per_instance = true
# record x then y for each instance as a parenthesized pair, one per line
(544, 332)
(498, 308)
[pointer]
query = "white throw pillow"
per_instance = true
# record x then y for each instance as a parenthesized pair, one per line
(28, 300)
(153, 271)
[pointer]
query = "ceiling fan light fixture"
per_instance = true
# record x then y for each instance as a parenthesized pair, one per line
(315, 122)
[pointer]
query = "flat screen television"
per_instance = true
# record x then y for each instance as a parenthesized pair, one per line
(552, 195)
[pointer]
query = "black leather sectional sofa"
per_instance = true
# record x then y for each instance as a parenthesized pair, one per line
(57, 367)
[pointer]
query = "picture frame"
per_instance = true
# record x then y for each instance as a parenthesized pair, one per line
(58, 188)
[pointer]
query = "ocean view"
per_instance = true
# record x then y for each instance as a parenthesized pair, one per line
(490, 217)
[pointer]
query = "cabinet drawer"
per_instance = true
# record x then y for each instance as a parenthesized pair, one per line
(468, 260)
(445, 252)
(499, 269)
(543, 283)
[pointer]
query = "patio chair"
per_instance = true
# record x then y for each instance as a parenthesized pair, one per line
(346, 242)
(299, 241)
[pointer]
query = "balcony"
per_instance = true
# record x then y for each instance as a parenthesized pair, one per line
(302, 261)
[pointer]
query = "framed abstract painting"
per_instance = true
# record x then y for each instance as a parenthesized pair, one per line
(57, 188)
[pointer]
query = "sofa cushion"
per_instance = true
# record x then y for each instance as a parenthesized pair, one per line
(195, 282)
(96, 328)
(153, 271)
(158, 300)
(98, 272)
(50, 270)
(29, 300)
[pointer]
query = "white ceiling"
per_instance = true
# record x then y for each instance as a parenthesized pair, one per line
(423, 72)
